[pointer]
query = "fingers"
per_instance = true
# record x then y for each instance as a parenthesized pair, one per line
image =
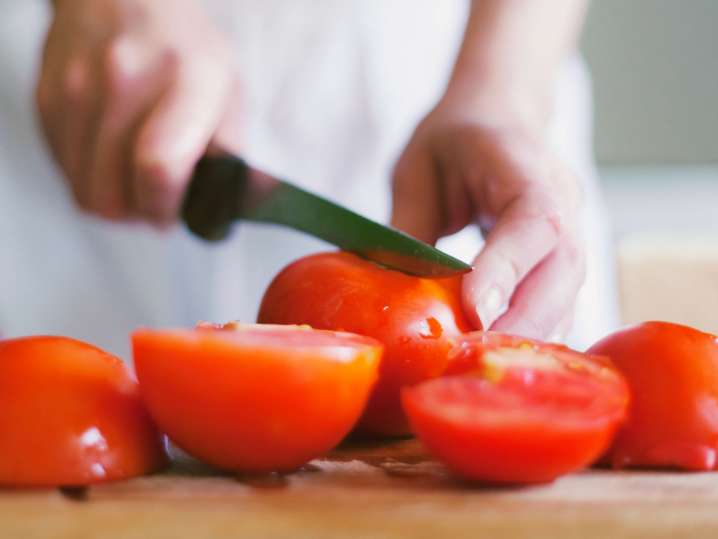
(509, 182)
(542, 305)
(527, 231)
(429, 200)
(128, 128)
(46, 91)
(130, 86)
(128, 100)
(79, 117)
(66, 100)
(416, 196)
(173, 137)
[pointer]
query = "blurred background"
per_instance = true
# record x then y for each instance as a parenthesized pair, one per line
(653, 64)
(655, 80)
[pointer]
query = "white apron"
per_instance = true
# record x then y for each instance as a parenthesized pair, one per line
(333, 90)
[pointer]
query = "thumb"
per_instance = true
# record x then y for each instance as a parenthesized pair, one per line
(416, 196)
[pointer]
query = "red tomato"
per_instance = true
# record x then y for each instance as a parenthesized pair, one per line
(255, 398)
(467, 354)
(416, 319)
(524, 413)
(70, 414)
(672, 371)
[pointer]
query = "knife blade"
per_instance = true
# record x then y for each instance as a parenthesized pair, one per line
(225, 189)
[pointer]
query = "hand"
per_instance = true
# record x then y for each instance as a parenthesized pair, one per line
(496, 169)
(130, 94)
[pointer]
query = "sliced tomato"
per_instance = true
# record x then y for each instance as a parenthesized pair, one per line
(672, 371)
(70, 415)
(255, 398)
(521, 412)
(416, 319)
(467, 354)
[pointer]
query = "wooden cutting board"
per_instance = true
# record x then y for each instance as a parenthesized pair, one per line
(380, 491)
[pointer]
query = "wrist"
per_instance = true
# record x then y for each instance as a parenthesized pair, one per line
(502, 90)
(499, 104)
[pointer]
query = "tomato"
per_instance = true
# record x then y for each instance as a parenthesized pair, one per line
(70, 414)
(255, 398)
(522, 412)
(416, 319)
(467, 354)
(672, 371)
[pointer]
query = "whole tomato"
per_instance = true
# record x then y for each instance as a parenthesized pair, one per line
(672, 371)
(416, 319)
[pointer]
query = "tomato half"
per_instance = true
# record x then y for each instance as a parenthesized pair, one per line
(524, 413)
(672, 371)
(416, 319)
(255, 398)
(70, 414)
(467, 355)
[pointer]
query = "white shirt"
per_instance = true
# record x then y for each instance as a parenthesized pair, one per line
(333, 90)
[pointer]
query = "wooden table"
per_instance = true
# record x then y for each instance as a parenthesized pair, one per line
(369, 492)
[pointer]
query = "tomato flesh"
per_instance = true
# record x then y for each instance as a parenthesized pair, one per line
(70, 415)
(672, 371)
(468, 355)
(524, 413)
(416, 319)
(255, 398)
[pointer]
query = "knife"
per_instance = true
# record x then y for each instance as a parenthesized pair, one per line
(224, 189)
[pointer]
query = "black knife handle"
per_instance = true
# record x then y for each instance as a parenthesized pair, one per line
(212, 202)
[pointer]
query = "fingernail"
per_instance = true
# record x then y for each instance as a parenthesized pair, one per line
(489, 306)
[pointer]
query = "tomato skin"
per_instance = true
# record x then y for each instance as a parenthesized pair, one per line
(70, 414)
(672, 371)
(416, 319)
(525, 412)
(255, 400)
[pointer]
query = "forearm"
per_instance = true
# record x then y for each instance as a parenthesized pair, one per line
(512, 52)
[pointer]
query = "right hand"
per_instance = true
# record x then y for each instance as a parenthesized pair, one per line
(130, 94)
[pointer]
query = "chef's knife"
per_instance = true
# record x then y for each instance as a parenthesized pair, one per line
(225, 189)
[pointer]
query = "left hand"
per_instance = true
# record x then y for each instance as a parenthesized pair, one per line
(496, 168)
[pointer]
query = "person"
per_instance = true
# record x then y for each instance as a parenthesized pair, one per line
(479, 112)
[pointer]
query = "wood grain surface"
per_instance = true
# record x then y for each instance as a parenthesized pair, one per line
(368, 491)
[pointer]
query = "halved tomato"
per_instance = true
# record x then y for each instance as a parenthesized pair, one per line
(416, 320)
(521, 412)
(467, 354)
(70, 415)
(254, 398)
(672, 371)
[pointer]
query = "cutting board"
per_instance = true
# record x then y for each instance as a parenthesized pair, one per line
(368, 491)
